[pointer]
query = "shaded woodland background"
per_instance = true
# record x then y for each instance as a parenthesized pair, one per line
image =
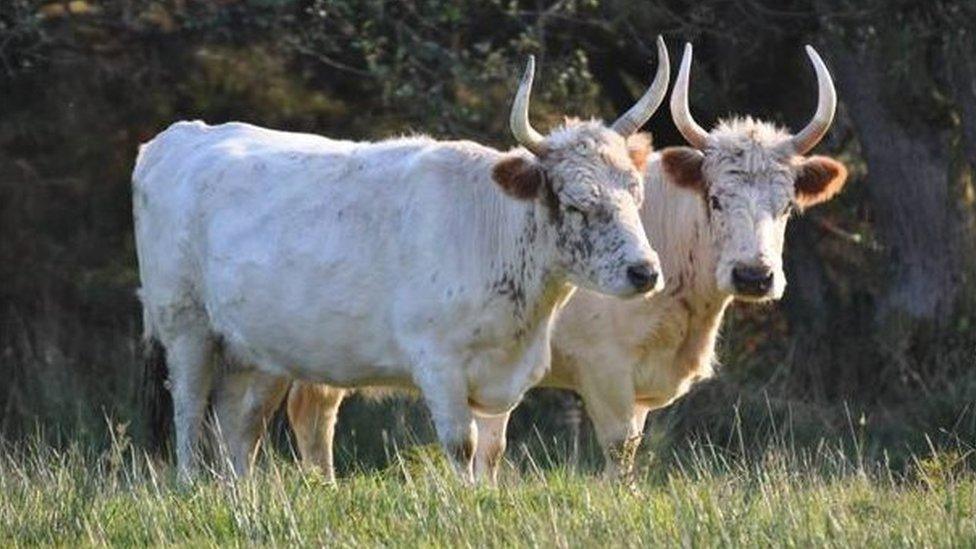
(874, 342)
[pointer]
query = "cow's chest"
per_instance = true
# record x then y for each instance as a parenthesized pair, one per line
(676, 352)
(505, 362)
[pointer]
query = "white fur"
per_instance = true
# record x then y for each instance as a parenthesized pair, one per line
(747, 172)
(358, 264)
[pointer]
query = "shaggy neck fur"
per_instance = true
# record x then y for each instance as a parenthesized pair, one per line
(678, 227)
(518, 244)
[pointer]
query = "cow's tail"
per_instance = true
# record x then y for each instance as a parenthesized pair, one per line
(157, 403)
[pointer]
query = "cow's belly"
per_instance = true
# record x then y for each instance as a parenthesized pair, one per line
(331, 352)
(292, 320)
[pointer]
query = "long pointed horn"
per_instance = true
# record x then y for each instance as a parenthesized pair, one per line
(809, 136)
(645, 107)
(523, 131)
(680, 113)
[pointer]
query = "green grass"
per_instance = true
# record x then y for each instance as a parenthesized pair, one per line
(702, 498)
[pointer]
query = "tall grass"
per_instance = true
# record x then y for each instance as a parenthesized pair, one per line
(703, 496)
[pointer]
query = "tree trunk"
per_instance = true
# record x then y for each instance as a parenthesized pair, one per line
(909, 186)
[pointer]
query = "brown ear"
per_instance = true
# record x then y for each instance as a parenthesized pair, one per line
(519, 177)
(639, 147)
(683, 167)
(818, 179)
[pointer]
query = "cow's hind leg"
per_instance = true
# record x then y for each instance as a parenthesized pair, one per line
(244, 402)
(190, 360)
(313, 409)
(491, 447)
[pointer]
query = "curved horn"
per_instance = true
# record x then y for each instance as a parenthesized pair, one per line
(680, 113)
(645, 107)
(809, 136)
(523, 131)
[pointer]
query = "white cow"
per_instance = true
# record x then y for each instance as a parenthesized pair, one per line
(717, 214)
(410, 262)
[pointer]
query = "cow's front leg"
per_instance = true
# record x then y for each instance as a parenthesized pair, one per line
(619, 426)
(611, 404)
(624, 454)
(312, 412)
(446, 394)
(491, 446)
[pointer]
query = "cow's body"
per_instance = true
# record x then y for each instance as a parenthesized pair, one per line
(385, 252)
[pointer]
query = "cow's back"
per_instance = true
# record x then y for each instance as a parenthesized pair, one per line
(292, 247)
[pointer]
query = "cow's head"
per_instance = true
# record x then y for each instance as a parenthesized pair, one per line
(586, 181)
(752, 176)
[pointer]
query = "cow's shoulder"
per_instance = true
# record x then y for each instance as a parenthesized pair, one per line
(452, 161)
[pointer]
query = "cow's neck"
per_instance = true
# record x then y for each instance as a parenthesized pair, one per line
(523, 276)
(679, 229)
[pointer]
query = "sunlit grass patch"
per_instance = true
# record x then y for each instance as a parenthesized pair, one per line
(702, 498)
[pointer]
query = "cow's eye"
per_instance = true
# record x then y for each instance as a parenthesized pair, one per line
(573, 209)
(714, 203)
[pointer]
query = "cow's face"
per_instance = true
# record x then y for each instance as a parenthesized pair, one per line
(750, 184)
(587, 184)
(751, 175)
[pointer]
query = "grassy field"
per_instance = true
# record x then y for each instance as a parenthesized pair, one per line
(704, 498)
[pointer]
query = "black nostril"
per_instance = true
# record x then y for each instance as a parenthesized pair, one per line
(752, 280)
(642, 276)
